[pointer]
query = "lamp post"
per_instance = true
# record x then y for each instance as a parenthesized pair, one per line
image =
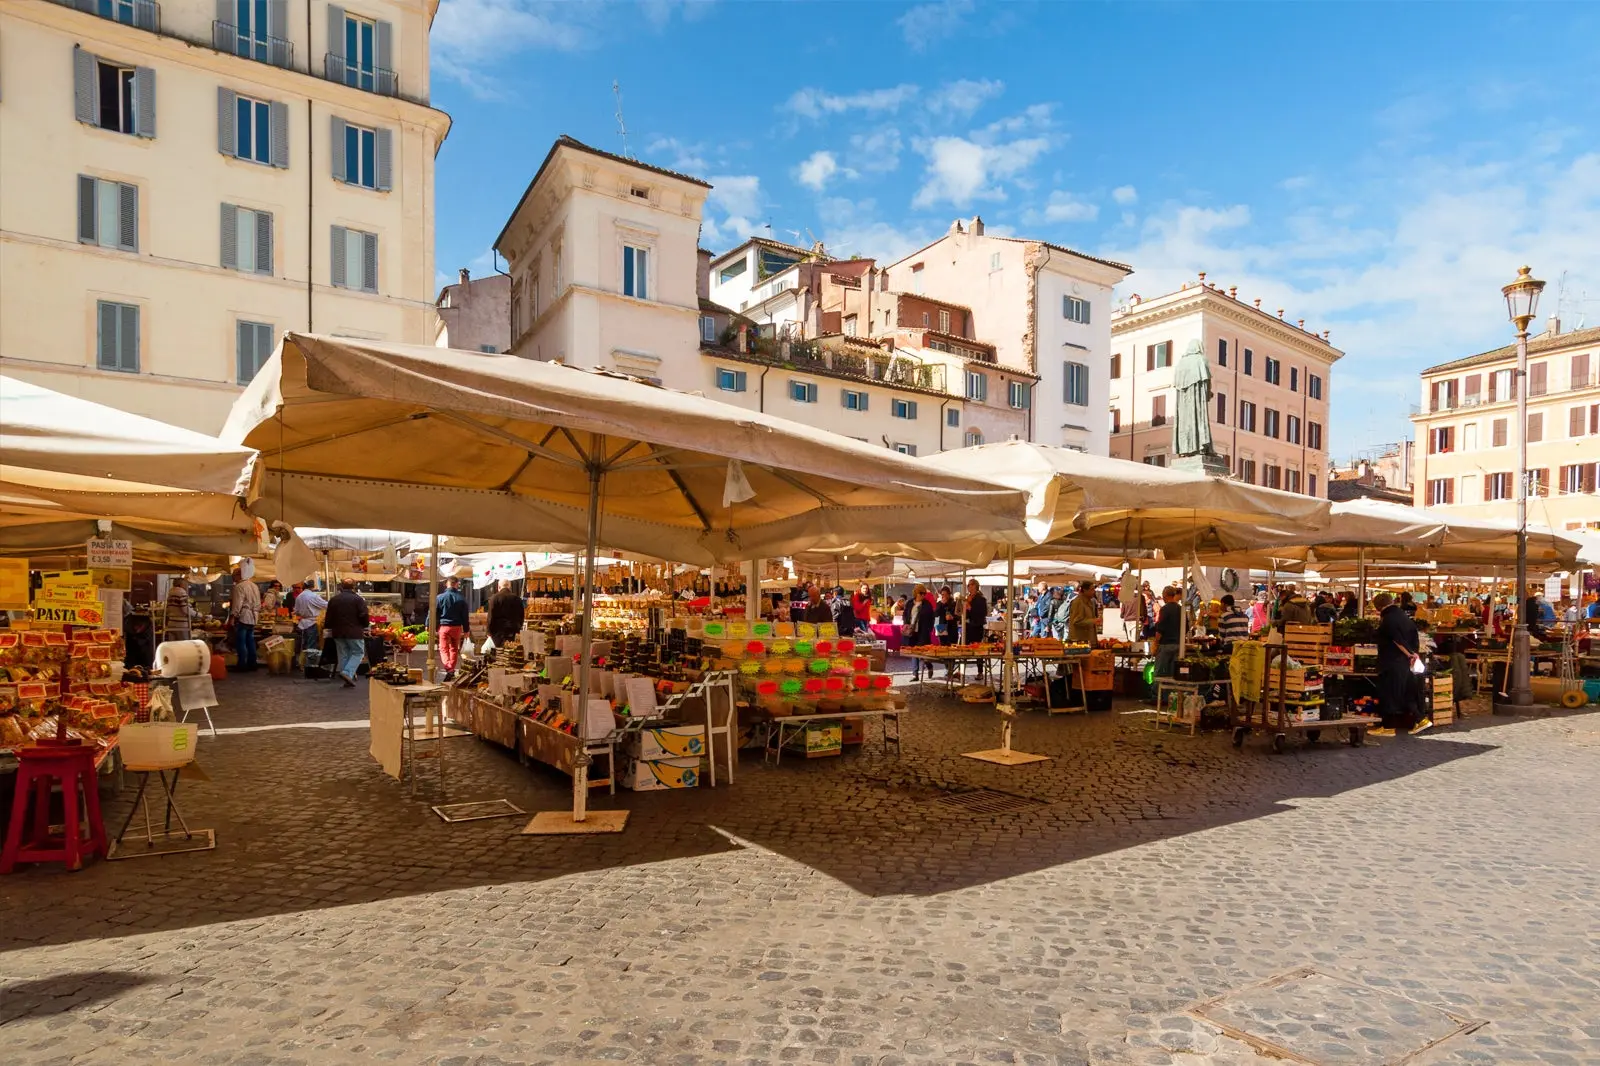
(1522, 302)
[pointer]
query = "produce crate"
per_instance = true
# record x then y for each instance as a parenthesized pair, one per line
(1308, 644)
(1445, 715)
(1296, 681)
(1443, 694)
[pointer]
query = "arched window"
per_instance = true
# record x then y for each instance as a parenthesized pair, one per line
(974, 436)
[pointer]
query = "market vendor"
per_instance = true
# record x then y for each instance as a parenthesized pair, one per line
(1397, 649)
(245, 606)
(505, 615)
(178, 612)
(347, 622)
(1083, 616)
(308, 605)
(1168, 632)
(977, 613)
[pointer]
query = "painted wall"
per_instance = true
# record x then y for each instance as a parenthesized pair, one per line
(190, 304)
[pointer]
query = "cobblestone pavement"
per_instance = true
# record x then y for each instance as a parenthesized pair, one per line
(838, 911)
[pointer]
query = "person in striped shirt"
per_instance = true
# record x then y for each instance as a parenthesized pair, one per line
(1234, 625)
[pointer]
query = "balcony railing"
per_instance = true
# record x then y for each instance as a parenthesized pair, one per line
(370, 79)
(272, 50)
(141, 14)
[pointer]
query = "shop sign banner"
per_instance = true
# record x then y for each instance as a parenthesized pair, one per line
(13, 584)
(110, 554)
(69, 612)
(69, 586)
(120, 578)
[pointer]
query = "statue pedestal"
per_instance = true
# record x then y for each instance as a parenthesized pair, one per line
(1208, 463)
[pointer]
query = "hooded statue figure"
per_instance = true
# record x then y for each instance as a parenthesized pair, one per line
(1192, 424)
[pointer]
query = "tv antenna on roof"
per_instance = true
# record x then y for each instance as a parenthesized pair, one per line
(622, 127)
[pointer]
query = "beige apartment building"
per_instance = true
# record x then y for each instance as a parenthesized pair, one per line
(606, 272)
(1270, 381)
(185, 181)
(1466, 432)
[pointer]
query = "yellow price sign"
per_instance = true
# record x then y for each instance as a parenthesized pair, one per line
(69, 613)
(13, 584)
(112, 578)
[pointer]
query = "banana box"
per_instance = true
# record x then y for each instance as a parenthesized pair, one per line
(642, 776)
(667, 742)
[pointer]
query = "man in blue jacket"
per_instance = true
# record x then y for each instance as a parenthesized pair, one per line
(452, 614)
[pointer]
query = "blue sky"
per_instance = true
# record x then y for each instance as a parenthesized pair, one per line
(1376, 169)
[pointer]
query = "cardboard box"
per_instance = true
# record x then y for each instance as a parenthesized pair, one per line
(668, 742)
(818, 740)
(660, 774)
(853, 731)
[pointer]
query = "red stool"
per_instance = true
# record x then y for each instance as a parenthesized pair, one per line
(41, 767)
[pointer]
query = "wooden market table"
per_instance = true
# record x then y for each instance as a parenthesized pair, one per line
(952, 679)
(392, 711)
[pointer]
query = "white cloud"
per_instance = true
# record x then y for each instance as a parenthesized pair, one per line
(959, 99)
(1295, 183)
(817, 103)
(1034, 117)
(856, 228)
(1062, 207)
(736, 194)
(960, 171)
(677, 155)
(1125, 195)
(820, 168)
(877, 151)
(1401, 286)
(927, 24)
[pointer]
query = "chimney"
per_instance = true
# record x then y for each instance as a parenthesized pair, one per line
(1280, 312)
(1364, 476)
(466, 275)
(1324, 335)
(744, 338)
(1302, 323)
(956, 227)
(1258, 303)
(1233, 292)
(1555, 326)
(975, 227)
(1202, 279)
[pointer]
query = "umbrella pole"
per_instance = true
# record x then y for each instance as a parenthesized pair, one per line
(1361, 582)
(433, 606)
(752, 590)
(1004, 755)
(580, 767)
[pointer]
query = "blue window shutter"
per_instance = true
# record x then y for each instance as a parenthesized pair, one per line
(336, 261)
(280, 133)
(337, 125)
(144, 94)
(227, 135)
(87, 200)
(385, 153)
(627, 272)
(85, 86)
(230, 237)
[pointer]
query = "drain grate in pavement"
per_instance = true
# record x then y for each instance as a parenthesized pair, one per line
(987, 801)
(1312, 1017)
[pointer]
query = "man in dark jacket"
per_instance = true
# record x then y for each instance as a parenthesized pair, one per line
(452, 621)
(346, 621)
(977, 614)
(817, 609)
(505, 615)
(844, 615)
(1397, 647)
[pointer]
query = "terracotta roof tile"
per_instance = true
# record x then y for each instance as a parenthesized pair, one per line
(1576, 338)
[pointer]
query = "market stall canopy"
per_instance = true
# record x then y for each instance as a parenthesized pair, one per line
(365, 541)
(67, 463)
(495, 446)
(1380, 531)
(1094, 509)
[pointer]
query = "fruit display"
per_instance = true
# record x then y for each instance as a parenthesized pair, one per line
(403, 637)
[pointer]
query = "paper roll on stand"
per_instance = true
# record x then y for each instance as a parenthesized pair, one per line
(183, 658)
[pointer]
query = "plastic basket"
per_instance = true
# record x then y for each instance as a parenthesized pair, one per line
(158, 745)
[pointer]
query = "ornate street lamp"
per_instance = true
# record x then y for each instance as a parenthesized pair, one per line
(1522, 302)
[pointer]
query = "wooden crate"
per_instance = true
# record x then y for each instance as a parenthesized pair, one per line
(1443, 694)
(1445, 715)
(1307, 644)
(1296, 683)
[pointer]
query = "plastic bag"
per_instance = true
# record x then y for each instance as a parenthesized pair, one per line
(467, 647)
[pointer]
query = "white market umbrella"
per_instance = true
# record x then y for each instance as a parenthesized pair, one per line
(496, 446)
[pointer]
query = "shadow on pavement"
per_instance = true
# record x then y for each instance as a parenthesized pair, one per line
(305, 820)
(65, 992)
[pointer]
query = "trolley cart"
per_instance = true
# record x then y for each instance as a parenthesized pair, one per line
(1286, 708)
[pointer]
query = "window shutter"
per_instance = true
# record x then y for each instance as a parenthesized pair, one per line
(385, 48)
(85, 86)
(128, 338)
(224, 30)
(144, 94)
(230, 237)
(246, 355)
(1085, 311)
(227, 109)
(385, 153)
(1150, 357)
(336, 37)
(263, 242)
(369, 262)
(87, 232)
(336, 262)
(337, 125)
(128, 223)
(106, 356)
(279, 114)
(83, 5)
(278, 18)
